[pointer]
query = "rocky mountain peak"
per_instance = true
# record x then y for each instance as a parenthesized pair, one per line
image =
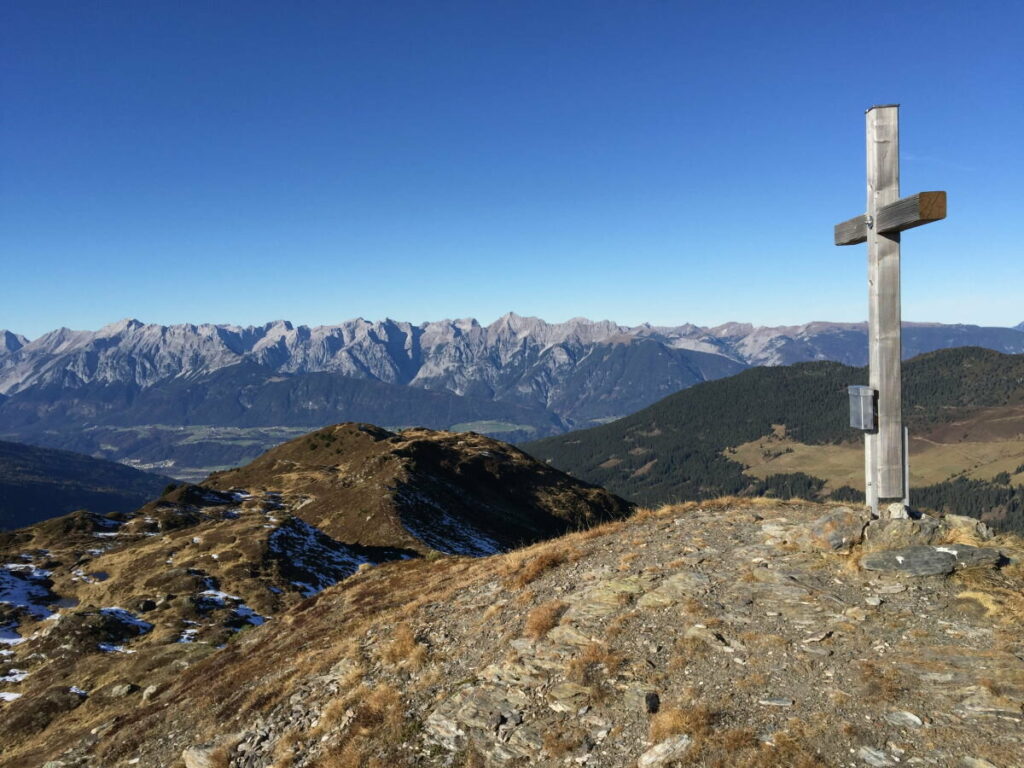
(10, 341)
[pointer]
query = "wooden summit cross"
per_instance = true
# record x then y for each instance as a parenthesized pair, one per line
(886, 467)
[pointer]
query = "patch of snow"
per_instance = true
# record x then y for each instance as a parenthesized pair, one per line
(217, 596)
(312, 559)
(25, 586)
(105, 535)
(111, 648)
(9, 637)
(14, 676)
(196, 540)
(127, 617)
(8, 696)
(435, 527)
(188, 636)
(275, 590)
(215, 556)
(247, 614)
(77, 691)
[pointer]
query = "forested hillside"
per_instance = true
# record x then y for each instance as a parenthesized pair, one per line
(39, 483)
(676, 449)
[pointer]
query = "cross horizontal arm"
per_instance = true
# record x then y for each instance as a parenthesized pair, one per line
(905, 213)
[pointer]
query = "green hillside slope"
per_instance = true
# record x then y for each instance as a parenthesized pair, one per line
(673, 450)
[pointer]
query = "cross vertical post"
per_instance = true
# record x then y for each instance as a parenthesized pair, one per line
(884, 332)
(886, 444)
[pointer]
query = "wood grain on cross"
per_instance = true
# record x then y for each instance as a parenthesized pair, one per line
(887, 215)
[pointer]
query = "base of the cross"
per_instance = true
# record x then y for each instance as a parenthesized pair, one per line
(871, 486)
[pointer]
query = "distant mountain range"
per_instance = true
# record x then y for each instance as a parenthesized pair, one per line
(186, 399)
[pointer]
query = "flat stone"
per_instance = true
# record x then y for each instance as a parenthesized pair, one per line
(665, 752)
(912, 561)
(903, 719)
(568, 697)
(976, 762)
(874, 602)
(674, 589)
(477, 708)
(875, 757)
(891, 589)
(983, 703)
(776, 702)
(972, 557)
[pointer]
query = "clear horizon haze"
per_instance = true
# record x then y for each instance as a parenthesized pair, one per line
(647, 161)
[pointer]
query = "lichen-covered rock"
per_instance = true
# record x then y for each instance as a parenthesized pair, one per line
(835, 531)
(895, 534)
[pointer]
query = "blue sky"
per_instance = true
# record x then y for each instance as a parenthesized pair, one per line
(636, 160)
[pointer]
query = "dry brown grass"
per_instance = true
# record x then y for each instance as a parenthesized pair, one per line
(286, 750)
(543, 618)
(533, 568)
(377, 720)
(404, 650)
(880, 682)
(1000, 593)
(695, 721)
(221, 755)
(559, 743)
(685, 650)
(592, 667)
(626, 561)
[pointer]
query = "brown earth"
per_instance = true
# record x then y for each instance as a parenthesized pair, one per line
(418, 488)
(97, 610)
(732, 633)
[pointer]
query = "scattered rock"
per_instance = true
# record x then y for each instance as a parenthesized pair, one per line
(875, 757)
(903, 719)
(874, 602)
(968, 526)
(123, 689)
(665, 752)
(835, 531)
(891, 589)
(150, 692)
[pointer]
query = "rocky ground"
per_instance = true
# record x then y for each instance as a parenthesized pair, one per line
(736, 633)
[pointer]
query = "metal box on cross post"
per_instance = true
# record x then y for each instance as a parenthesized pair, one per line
(863, 404)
